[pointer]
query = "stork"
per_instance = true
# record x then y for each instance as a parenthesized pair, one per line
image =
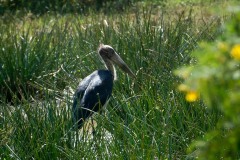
(94, 90)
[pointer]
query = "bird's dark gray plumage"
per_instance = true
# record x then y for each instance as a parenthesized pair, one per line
(94, 90)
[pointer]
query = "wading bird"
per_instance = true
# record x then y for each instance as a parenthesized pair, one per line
(94, 91)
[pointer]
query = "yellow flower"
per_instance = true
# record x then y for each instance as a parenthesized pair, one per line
(191, 96)
(222, 46)
(235, 52)
(183, 87)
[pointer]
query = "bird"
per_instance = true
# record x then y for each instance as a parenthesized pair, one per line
(94, 91)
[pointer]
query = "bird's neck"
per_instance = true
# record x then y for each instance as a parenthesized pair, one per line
(111, 68)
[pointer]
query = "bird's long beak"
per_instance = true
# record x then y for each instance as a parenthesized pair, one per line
(118, 60)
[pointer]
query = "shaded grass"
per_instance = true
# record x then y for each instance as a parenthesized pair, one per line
(43, 59)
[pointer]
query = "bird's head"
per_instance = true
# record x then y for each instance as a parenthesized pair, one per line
(106, 51)
(109, 54)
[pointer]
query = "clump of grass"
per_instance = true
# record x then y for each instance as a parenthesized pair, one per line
(31, 57)
(146, 117)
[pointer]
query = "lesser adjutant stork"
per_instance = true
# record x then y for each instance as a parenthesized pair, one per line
(94, 90)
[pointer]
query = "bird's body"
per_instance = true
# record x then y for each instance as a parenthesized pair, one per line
(92, 93)
(94, 90)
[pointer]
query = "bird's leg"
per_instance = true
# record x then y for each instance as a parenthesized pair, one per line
(93, 128)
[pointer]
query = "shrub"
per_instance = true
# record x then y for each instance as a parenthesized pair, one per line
(215, 78)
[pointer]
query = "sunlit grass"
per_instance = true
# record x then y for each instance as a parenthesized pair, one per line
(42, 60)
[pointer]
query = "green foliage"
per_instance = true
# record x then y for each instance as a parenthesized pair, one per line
(29, 57)
(63, 6)
(44, 58)
(216, 76)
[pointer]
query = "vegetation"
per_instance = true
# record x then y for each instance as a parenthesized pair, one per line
(43, 58)
(215, 78)
(62, 6)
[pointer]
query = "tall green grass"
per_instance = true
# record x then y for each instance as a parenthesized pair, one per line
(43, 59)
